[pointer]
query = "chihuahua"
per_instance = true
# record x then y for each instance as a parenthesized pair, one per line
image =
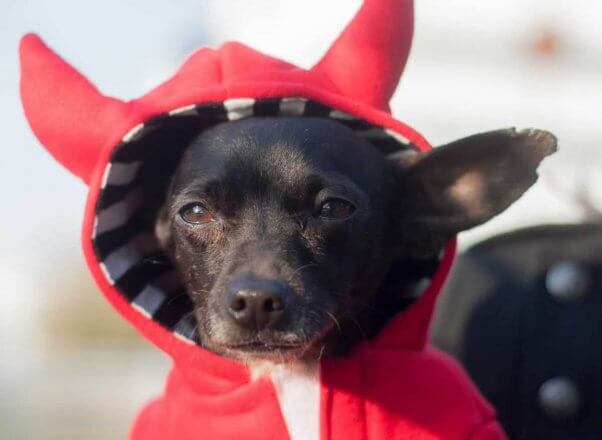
(295, 237)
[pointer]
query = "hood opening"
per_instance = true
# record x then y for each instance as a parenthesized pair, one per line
(133, 188)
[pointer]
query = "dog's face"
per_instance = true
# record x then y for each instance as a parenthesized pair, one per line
(283, 229)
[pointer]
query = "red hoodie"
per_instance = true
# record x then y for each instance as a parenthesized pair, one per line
(391, 387)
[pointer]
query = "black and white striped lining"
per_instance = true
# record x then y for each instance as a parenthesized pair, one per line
(123, 236)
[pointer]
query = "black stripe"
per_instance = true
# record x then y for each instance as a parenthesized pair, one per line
(315, 109)
(354, 124)
(109, 241)
(213, 113)
(161, 120)
(138, 276)
(112, 194)
(173, 309)
(128, 152)
(267, 107)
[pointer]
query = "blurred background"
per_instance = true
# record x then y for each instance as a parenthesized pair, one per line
(69, 368)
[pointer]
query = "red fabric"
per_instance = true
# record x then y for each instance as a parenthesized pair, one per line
(391, 387)
(405, 394)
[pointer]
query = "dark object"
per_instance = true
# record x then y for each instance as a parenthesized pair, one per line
(523, 314)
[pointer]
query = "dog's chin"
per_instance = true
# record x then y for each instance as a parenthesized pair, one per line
(276, 354)
(272, 351)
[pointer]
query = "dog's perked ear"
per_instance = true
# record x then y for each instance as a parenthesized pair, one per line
(467, 182)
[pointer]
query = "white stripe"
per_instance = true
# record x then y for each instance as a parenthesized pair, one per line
(397, 136)
(298, 390)
(184, 338)
(186, 110)
(337, 114)
(149, 300)
(140, 310)
(292, 106)
(120, 261)
(119, 213)
(106, 273)
(121, 173)
(95, 228)
(185, 327)
(239, 108)
(105, 176)
(133, 133)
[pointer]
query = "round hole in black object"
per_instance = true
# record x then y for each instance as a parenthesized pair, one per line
(560, 399)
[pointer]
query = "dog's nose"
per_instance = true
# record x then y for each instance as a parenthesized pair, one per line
(257, 303)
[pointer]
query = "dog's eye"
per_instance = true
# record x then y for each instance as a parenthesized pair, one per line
(196, 214)
(336, 209)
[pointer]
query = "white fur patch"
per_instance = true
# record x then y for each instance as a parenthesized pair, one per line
(298, 390)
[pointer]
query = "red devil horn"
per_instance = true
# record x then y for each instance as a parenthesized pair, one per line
(66, 112)
(367, 59)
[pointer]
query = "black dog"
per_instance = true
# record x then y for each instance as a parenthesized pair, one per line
(290, 233)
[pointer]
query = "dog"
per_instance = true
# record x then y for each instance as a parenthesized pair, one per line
(289, 233)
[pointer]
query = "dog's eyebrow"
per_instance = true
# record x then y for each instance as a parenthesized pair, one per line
(313, 183)
(339, 182)
(205, 190)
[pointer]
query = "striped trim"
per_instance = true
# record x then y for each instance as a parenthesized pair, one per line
(239, 108)
(121, 173)
(133, 134)
(187, 110)
(292, 106)
(123, 241)
(119, 262)
(119, 213)
(149, 300)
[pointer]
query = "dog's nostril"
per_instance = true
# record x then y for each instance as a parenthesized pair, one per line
(238, 304)
(273, 305)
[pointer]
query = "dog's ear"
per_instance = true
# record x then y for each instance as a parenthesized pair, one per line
(469, 181)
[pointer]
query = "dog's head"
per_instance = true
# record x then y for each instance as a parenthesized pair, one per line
(286, 230)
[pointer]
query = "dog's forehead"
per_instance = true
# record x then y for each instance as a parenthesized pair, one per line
(288, 151)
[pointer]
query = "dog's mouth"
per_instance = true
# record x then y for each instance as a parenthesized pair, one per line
(274, 352)
(275, 349)
(262, 347)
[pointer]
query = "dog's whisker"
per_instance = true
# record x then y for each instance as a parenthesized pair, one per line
(335, 320)
(173, 298)
(305, 266)
(321, 353)
(159, 262)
